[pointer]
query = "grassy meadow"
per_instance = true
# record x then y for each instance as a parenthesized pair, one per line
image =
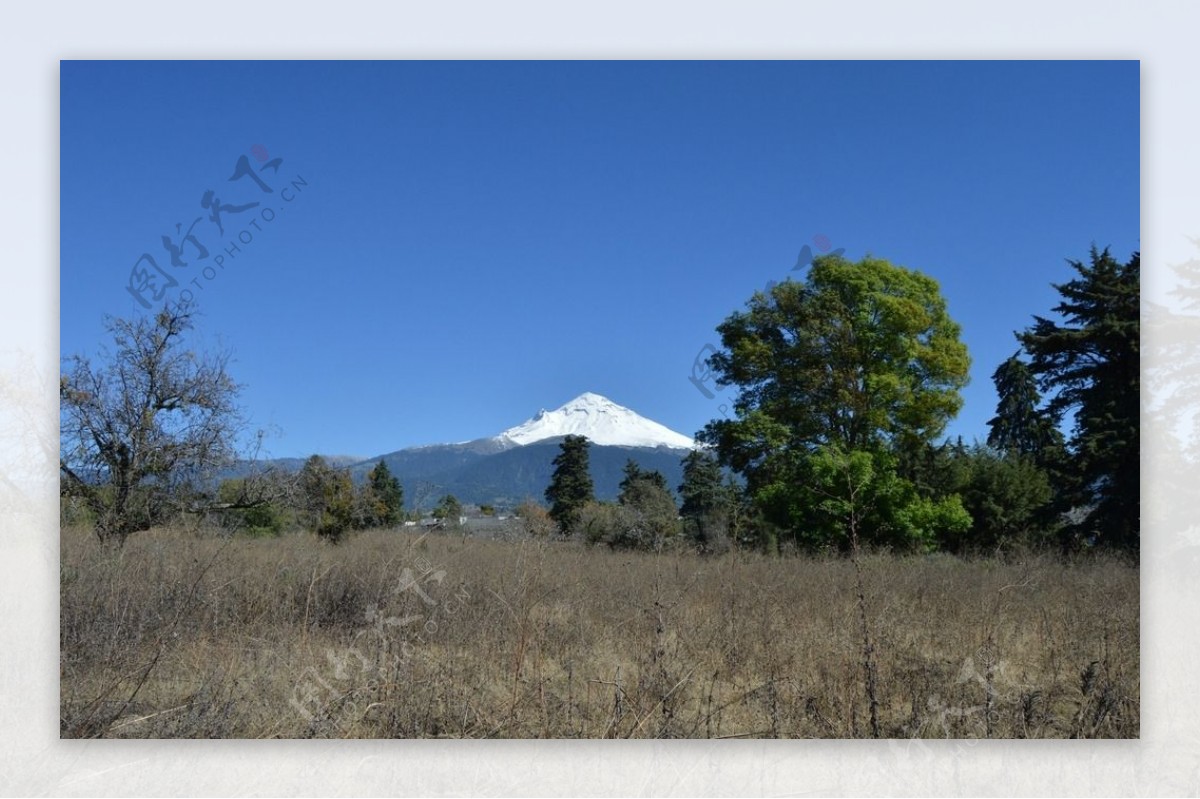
(183, 633)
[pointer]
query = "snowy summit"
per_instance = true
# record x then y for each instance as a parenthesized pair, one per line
(603, 421)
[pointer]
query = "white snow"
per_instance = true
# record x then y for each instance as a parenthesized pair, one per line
(603, 421)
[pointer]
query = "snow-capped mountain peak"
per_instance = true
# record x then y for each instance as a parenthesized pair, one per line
(603, 421)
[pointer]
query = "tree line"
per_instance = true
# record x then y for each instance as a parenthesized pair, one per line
(845, 383)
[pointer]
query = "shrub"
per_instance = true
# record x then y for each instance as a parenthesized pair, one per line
(536, 520)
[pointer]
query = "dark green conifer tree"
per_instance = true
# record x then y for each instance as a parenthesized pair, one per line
(386, 496)
(1019, 425)
(571, 484)
(705, 499)
(1089, 364)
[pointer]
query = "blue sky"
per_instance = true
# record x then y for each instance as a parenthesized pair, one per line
(468, 242)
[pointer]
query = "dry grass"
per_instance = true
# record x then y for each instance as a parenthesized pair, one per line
(181, 635)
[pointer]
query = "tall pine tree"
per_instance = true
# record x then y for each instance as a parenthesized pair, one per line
(1019, 426)
(705, 498)
(634, 473)
(571, 484)
(651, 516)
(386, 496)
(1089, 364)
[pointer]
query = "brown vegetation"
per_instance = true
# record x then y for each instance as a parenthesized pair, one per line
(183, 634)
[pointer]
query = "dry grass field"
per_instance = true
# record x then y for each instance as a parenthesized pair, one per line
(181, 634)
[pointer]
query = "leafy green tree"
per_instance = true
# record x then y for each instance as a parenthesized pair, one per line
(850, 488)
(141, 433)
(264, 518)
(1006, 494)
(328, 499)
(935, 470)
(602, 522)
(448, 509)
(384, 497)
(634, 473)
(571, 484)
(706, 501)
(650, 517)
(848, 498)
(644, 526)
(1089, 364)
(861, 359)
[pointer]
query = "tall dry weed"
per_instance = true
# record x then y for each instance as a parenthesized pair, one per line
(179, 634)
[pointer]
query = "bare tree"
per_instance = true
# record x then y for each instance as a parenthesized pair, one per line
(141, 431)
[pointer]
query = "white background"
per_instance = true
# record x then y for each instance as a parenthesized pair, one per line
(33, 39)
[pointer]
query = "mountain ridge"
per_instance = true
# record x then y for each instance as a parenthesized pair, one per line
(505, 469)
(517, 463)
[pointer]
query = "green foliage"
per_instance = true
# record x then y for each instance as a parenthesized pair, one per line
(634, 473)
(1006, 493)
(328, 499)
(448, 509)
(74, 512)
(932, 522)
(644, 517)
(601, 522)
(850, 497)
(1090, 364)
(254, 517)
(838, 375)
(748, 527)
(650, 524)
(1019, 426)
(859, 354)
(707, 502)
(383, 498)
(650, 517)
(571, 484)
